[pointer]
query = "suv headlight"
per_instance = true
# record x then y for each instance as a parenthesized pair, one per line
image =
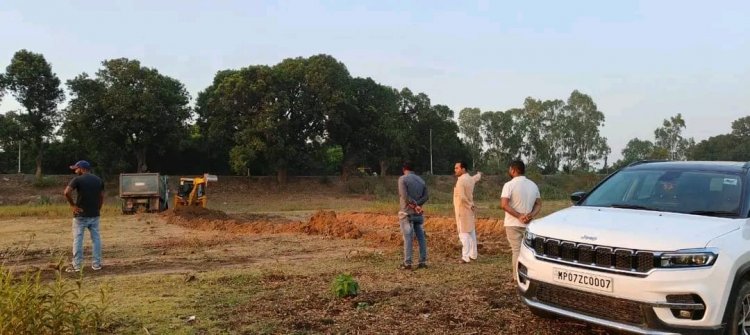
(528, 239)
(687, 258)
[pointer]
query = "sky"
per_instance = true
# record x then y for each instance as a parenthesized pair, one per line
(641, 61)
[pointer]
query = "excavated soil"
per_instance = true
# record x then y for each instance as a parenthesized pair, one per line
(376, 229)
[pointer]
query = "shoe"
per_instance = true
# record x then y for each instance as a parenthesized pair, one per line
(422, 266)
(72, 269)
(405, 267)
(96, 267)
(461, 261)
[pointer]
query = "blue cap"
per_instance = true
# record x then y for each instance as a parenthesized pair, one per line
(81, 164)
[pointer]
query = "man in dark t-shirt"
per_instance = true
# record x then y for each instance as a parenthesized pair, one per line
(86, 210)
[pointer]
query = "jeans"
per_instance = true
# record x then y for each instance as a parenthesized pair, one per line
(79, 225)
(411, 225)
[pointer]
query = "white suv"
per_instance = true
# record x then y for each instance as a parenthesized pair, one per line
(655, 248)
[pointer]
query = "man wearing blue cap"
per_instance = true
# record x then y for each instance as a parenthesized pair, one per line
(86, 210)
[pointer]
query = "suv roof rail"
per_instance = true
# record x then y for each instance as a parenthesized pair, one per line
(645, 161)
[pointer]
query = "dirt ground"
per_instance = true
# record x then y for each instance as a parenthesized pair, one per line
(237, 268)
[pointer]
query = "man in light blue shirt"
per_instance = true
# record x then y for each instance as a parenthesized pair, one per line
(412, 194)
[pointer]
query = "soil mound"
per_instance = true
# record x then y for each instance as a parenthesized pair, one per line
(327, 223)
(377, 229)
(197, 212)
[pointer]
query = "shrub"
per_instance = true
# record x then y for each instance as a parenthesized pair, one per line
(44, 200)
(45, 182)
(30, 307)
(344, 286)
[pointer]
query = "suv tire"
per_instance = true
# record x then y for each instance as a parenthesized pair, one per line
(739, 322)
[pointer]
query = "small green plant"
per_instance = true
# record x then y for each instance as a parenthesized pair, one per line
(344, 286)
(31, 307)
(363, 305)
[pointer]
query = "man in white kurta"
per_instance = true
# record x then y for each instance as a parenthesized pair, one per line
(463, 205)
(521, 201)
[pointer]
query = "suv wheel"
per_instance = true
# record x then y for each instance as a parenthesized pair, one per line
(740, 321)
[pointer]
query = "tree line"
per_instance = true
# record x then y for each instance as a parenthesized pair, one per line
(670, 144)
(551, 135)
(302, 116)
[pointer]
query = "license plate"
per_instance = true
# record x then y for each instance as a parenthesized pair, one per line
(583, 279)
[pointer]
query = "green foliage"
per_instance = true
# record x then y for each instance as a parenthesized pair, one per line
(44, 200)
(470, 125)
(11, 131)
(583, 143)
(59, 307)
(637, 150)
(741, 127)
(727, 147)
(547, 134)
(344, 286)
(30, 80)
(127, 110)
(669, 138)
(45, 182)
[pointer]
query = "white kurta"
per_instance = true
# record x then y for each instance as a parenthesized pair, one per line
(463, 200)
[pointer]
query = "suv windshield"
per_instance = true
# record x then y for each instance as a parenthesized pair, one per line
(679, 191)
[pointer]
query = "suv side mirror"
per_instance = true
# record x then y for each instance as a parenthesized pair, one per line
(575, 197)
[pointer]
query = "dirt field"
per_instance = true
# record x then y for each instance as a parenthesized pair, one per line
(263, 262)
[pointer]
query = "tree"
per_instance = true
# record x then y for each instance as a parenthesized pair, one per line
(741, 127)
(470, 125)
(504, 136)
(391, 129)
(233, 104)
(544, 126)
(11, 131)
(356, 126)
(217, 119)
(447, 148)
(127, 106)
(637, 150)
(721, 147)
(289, 124)
(669, 138)
(30, 80)
(582, 141)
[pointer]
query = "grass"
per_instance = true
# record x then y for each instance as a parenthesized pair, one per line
(48, 211)
(164, 304)
(272, 284)
(295, 298)
(61, 306)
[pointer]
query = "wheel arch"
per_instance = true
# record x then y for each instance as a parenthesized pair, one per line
(740, 276)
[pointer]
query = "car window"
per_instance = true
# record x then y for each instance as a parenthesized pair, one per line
(693, 192)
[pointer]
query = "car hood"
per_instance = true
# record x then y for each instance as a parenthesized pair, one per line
(632, 229)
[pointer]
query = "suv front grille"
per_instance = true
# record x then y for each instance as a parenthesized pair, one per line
(591, 304)
(614, 259)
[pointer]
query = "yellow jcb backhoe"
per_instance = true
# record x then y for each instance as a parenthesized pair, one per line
(192, 191)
